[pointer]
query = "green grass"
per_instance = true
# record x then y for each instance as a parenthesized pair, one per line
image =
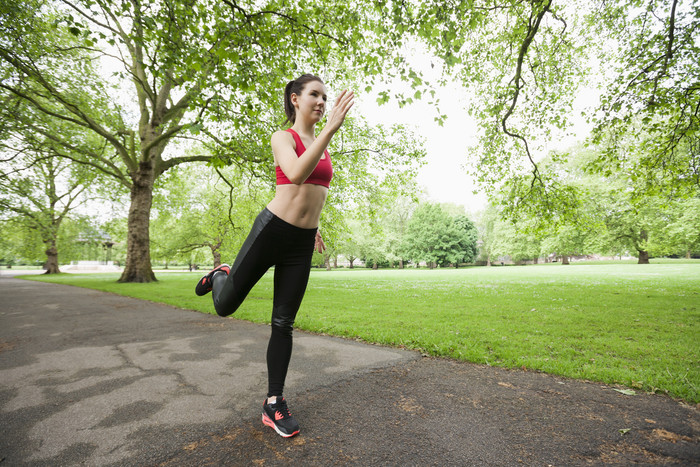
(635, 325)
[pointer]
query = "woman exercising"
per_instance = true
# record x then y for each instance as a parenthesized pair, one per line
(285, 233)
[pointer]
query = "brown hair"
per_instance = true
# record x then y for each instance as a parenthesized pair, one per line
(296, 87)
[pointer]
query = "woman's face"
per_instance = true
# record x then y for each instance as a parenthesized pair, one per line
(311, 103)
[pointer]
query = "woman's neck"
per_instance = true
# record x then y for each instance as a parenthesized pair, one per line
(303, 128)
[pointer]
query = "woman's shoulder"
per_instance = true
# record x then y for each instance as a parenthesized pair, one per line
(282, 136)
(283, 133)
(281, 140)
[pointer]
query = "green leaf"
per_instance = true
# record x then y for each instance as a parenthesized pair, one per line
(196, 128)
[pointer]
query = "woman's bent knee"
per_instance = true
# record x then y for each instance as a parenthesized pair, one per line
(225, 301)
(226, 307)
(282, 324)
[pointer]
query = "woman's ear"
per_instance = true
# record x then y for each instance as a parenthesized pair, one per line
(293, 98)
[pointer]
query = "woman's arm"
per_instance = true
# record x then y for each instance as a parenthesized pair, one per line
(298, 169)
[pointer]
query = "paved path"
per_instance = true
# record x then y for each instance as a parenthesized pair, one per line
(91, 378)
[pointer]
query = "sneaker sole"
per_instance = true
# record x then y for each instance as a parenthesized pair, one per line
(207, 278)
(267, 421)
(198, 290)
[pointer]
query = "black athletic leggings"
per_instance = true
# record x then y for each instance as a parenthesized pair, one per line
(271, 242)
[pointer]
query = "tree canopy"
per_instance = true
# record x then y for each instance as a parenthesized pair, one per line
(433, 236)
(525, 62)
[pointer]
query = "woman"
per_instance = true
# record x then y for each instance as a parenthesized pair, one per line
(285, 233)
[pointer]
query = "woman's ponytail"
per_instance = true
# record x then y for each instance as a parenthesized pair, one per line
(289, 109)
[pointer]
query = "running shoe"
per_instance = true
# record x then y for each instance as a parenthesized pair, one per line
(278, 417)
(204, 285)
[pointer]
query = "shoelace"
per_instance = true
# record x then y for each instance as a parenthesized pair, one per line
(281, 407)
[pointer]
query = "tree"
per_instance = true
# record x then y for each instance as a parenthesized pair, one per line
(611, 212)
(82, 237)
(517, 243)
(200, 209)
(194, 70)
(658, 94)
(349, 247)
(633, 213)
(395, 220)
(486, 226)
(566, 241)
(19, 242)
(434, 237)
(683, 230)
(468, 243)
(43, 189)
(631, 224)
(524, 62)
(376, 173)
(374, 168)
(363, 240)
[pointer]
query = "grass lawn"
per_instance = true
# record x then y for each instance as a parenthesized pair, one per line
(635, 325)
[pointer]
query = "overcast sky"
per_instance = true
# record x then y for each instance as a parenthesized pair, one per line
(444, 176)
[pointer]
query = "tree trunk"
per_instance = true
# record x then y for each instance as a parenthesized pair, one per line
(564, 259)
(335, 261)
(352, 260)
(217, 257)
(327, 261)
(374, 265)
(535, 260)
(643, 257)
(687, 254)
(401, 263)
(138, 253)
(488, 260)
(51, 264)
(643, 254)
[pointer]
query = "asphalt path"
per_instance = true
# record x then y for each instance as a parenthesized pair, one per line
(92, 378)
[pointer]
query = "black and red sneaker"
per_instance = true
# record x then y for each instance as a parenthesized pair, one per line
(204, 285)
(278, 417)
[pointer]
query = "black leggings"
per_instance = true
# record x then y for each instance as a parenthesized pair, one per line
(271, 242)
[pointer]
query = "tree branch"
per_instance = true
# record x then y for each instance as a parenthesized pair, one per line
(249, 16)
(85, 120)
(517, 80)
(90, 18)
(109, 168)
(170, 163)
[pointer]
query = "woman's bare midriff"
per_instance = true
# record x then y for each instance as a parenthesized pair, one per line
(300, 205)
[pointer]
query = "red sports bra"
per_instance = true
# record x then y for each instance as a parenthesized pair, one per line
(321, 175)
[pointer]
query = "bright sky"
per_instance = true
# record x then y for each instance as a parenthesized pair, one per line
(443, 177)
